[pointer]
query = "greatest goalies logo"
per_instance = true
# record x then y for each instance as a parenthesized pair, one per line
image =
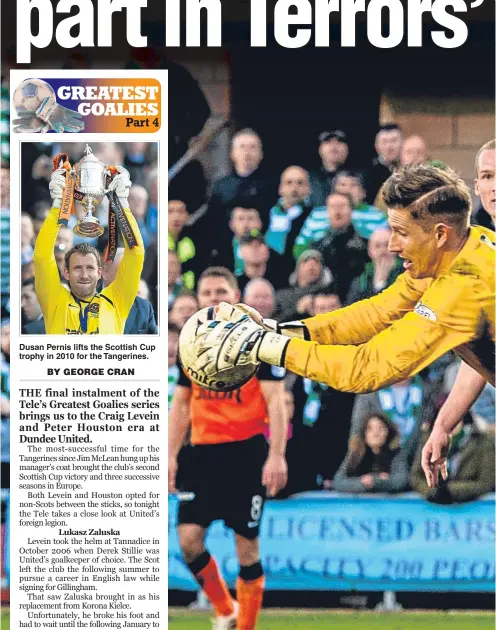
(39, 109)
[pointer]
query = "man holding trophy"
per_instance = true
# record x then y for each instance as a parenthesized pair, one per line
(81, 309)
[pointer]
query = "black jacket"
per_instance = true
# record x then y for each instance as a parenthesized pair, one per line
(345, 254)
(375, 176)
(258, 189)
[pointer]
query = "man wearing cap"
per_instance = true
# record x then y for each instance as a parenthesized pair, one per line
(333, 151)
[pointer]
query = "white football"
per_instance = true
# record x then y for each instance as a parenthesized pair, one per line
(30, 94)
(223, 380)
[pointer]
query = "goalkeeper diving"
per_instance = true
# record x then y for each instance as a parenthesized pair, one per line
(82, 309)
(443, 301)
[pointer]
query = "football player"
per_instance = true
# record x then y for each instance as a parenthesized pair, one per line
(443, 301)
(228, 469)
(84, 310)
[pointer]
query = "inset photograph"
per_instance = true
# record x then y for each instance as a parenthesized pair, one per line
(89, 234)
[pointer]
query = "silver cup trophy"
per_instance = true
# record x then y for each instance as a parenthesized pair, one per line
(90, 177)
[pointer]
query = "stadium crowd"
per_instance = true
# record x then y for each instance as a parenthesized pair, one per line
(309, 242)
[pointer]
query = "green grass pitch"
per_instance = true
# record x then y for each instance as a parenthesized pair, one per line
(307, 620)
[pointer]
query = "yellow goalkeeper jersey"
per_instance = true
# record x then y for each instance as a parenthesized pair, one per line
(394, 335)
(107, 311)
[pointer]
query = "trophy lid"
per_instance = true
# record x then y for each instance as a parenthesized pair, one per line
(89, 157)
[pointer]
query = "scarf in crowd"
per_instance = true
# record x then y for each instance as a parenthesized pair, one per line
(403, 405)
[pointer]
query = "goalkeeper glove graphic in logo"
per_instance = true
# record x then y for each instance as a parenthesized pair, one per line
(59, 118)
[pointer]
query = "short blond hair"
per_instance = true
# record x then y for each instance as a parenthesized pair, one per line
(430, 192)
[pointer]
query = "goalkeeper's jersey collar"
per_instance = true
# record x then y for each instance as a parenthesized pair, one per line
(83, 317)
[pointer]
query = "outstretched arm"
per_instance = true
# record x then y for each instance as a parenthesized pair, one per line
(359, 322)
(450, 316)
(124, 289)
(352, 325)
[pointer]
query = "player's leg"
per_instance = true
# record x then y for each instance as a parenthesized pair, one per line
(243, 515)
(204, 568)
(250, 583)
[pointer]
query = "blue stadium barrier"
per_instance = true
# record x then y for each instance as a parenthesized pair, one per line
(331, 541)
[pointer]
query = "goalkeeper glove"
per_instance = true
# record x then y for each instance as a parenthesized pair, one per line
(223, 344)
(227, 312)
(121, 184)
(56, 187)
(59, 118)
(28, 122)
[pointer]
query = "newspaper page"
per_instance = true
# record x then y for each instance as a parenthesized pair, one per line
(88, 508)
(270, 109)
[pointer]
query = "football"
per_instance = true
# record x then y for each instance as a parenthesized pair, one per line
(192, 358)
(30, 94)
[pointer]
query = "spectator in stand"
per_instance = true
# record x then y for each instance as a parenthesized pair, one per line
(185, 305)
(344, 252)
(414, 151)
(260, 262)
(260, 294)
(174, 278)
(382, 270)
(404, 403)
(138, 204)
(484, 184)
(470, 466)
(320, 303)
(244, 219)
(31, 310)
(172, 355)
(375, 462)
(365, 218)
(182, 242)
(309, 277)
(286, 218)
(27, 236)
(388, 143)
(141, 318)
(246, 180)
(324, 303)
(333, 151)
